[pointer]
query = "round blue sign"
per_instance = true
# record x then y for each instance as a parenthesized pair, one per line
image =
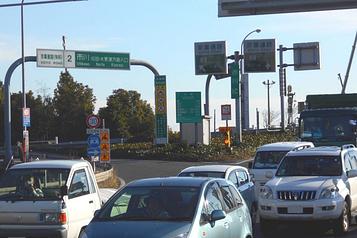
(93, 140)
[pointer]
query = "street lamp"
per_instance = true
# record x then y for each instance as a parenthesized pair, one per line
(268, 84)
(238, 101)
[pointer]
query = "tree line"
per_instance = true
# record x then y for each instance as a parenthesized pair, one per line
(63, 115)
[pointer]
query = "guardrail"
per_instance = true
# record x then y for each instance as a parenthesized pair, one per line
(102, 176)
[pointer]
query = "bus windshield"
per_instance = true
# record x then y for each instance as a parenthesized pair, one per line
(337, 127)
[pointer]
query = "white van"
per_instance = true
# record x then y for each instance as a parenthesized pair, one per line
(267, 159)
(54, 198)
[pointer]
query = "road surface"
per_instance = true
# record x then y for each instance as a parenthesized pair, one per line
(130, 170)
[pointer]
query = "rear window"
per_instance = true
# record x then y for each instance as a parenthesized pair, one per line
(268, 159)
(33, 184)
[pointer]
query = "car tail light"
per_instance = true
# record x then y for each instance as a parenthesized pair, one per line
(62, 218)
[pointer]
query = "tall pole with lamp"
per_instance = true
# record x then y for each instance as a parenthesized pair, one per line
(268, 84)
(238, 101)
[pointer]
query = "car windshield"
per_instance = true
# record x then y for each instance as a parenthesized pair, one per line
(268, 159)
(310, 166)
(32, 184)
(338, 127)
(202, 174)
(152, 203)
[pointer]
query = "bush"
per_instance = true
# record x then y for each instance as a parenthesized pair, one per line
(215, 151)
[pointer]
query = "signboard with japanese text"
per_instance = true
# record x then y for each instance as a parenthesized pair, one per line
(188, 107)
(160, 110)
(99, 144)
(259, 56)
(82, 59)
(235, 85)
(226, 112)
(210, 58)
(50, 58)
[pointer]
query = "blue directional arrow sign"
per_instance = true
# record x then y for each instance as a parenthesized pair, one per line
(93, 151)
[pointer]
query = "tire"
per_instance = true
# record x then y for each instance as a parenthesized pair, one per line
(266, 226)
(342, 224)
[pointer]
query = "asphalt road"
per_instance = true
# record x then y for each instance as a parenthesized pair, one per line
(130, 170)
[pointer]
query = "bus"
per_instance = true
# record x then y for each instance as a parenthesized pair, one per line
(329, 119)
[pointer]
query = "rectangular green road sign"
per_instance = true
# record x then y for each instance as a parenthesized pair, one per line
(160, 110)
(101, 60)
(82, 59)
(188, 107)
(235, 85)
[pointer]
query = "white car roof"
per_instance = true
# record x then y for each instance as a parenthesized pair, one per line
(51, 164)
(284, 146)
(317, 151)
(211, 168)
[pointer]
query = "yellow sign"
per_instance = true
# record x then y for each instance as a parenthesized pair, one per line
(160, 99)
(105, 147)
(104, 136)
(104, 157)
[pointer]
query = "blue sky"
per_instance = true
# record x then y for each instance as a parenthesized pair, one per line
(163, 33)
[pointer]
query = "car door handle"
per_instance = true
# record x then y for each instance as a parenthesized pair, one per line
(226, 225)
(91, 201)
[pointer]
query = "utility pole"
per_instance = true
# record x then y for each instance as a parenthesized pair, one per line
(349, 66)
(268, 84)
(25, 110)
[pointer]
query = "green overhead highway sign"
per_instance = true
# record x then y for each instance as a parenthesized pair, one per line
(82, 59)
(188, 107)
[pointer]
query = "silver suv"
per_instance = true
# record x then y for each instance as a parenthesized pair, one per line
(314, 184)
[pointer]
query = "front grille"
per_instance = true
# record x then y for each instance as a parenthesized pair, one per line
(296, 195)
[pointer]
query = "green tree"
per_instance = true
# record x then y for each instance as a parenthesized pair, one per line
(42, 118)
(72, 102)
(128, 116)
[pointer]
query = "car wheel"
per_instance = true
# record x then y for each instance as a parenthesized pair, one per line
(342, 224)
(266, 227)
(254, 213)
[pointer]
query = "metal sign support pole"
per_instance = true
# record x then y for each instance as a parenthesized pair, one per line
(282, 86)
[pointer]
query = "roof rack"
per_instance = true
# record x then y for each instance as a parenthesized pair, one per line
(347, 146)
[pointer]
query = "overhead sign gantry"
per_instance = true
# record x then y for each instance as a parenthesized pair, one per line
(228, 8)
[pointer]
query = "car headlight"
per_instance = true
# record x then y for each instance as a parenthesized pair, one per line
(266, 193)
(329, 193)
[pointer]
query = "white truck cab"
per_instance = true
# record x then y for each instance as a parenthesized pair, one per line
(52, 198)
(315, 184)
(267, 159)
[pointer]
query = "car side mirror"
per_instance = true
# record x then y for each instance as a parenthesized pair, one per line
(64, 190)
(96, 212)
(269, 174)
(352, 173)
(217, 215)
(250, 165)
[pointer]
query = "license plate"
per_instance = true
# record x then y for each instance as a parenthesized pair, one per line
(295, 209)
